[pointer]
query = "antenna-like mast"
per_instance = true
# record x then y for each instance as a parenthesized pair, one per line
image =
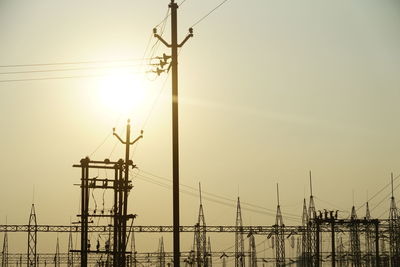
(391, 176)
(201, 202)
(277, 192)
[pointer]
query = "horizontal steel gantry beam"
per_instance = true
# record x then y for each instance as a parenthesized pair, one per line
(291, 230)
(147, 229)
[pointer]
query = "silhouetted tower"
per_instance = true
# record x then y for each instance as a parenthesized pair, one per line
(191, 259)
(312, 233)
(32, 238)
(393, 230)
(70, 261)
(369, 239)
(298, 249)
(279, 234)
(57, 255)
(223, 257)
(304, 235)
(355, 239)
(239, 240)
(133, 250)
(340, 253)
(161, 253)
(252, 251)
(4, 252)
(201, 236)
(209, 253)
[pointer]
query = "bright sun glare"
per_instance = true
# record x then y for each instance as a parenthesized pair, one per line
(121, 92)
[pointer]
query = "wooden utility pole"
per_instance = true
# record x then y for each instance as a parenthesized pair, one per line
(175, 122)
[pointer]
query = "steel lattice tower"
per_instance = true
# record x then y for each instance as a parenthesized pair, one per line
(70, 248)
(209, 253)
(161, 253)
(298, 249)
(393, 230)
(239, 241)
(312, 242)
(133, 250)
(32, 238)
(355, 249)
(4, 253)
(223, 257)
(340, 253)
(201, 236)
(304, 236)
(252, 251)
(57, 255)
(369, 240)
(279, 235)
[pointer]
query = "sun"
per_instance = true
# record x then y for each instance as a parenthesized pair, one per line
(121, 93)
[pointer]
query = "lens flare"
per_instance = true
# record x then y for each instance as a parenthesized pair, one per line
(121, 93)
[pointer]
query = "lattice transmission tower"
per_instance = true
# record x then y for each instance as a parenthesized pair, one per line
(279, 234)
(304, 253)
(239, 240)
(201, 236)
(355, 249)
(32, 238)
(4, 252)
(312, 232)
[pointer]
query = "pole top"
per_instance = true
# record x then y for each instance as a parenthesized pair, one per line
(173, 4)
(277, 193)
(391, 179)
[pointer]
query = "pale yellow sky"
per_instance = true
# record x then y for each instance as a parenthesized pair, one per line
(269, 90)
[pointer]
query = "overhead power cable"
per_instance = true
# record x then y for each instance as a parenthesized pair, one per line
(216, 198)
(377, 193)
(68, 69)
(58, 77)
(209, 13)
(385, 198)
(73, 63)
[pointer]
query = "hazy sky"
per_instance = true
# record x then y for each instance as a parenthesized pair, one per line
(269, 90)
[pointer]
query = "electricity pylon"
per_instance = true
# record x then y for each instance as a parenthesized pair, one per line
(239, 241)
(279, 234)
(32, 238)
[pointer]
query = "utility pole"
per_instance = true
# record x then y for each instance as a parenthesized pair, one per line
(125, 187)
(175, 134)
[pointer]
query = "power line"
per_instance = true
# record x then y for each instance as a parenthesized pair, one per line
(71, 63)
(377, 193)
(182, 3)
(209, 13)
(214, 198)
(69, 69)
(154, 103)
(385, 198)
(58, 78)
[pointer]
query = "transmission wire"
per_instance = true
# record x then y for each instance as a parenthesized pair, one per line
(209, 13)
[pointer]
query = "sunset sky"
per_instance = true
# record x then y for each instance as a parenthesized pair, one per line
(268, 91)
